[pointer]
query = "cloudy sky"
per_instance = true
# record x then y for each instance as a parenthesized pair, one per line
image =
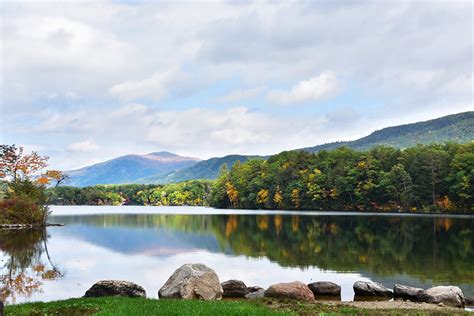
(87, 81)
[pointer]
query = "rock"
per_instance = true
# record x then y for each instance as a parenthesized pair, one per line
(407, 292)
(469, 301)
(254, 288)
(371, 289)
(115, 288)
(255, 294)
(234, 288)
(325, 288)
(192, 281)
(293, 290)
(448, 295)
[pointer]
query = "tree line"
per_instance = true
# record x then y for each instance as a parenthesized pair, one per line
(193, 193)
(422, 178)
(419, 179)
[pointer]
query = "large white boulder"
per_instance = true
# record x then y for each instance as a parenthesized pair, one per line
(192, 281)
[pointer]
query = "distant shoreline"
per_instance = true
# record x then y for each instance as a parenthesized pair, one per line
(65, 210)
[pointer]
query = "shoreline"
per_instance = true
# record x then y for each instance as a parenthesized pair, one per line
(28, 226)
(61, 210)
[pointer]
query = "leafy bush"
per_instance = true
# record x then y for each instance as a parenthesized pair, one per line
(21, 210)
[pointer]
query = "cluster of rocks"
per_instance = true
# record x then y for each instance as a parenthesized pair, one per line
(443, 295)
(197, 281)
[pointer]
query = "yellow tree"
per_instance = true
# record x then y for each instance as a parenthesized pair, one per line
(232, 193)
(278, 197)
(262, 197)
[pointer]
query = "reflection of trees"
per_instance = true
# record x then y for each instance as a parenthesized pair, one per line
(440, 249)
(23, 270)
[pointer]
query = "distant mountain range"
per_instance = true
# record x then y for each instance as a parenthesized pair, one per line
(206, 169)
(165, 167)
(129, 168)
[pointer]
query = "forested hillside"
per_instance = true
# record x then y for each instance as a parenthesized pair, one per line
(164, 167)
(456, 128)
(425, 177)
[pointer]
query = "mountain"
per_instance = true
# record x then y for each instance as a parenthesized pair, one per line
(457, 128)
(129, 168)
(165, 167)
(206, 169)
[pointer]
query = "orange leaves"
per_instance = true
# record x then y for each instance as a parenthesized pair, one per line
(54, 174)
(42, 180)
(15, 163)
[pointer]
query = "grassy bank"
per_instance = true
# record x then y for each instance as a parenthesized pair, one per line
(138, 306)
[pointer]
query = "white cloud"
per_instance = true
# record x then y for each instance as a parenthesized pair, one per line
(403, 61)
(85, 146)
(311, 90)
(156, 87)
(243, 94)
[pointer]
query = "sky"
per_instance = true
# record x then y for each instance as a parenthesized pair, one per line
(86, 81)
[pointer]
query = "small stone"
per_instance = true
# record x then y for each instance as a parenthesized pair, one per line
(293, 290)
(371, 289)
(469, 300)
(448, 295)
(254, 288)
(325, 288)
(115, 288)
(234, 288)
(255, 294)
(407, 292)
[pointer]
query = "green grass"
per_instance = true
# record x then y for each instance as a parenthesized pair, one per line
(141, 307)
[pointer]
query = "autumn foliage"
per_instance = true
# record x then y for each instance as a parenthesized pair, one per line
(25, 199)
(436, 177)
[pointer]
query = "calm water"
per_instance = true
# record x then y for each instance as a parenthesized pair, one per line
(146, 244)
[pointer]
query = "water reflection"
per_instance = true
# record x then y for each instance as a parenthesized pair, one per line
(23, 271)
(260, 250)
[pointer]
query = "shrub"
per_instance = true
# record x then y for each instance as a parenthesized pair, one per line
(20, 210)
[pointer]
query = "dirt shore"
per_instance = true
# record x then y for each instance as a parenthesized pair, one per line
(365, 308)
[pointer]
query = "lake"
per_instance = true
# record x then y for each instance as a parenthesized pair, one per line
(146, 244)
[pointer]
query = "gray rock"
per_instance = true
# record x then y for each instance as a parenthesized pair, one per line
(192, 281)
(469, 301)
(255, 294)
(407, 292)
(325, 288)
(115, 288)
(293, 290)
(234, 288)
(254, 288)
(371, 289)
(448, 295)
